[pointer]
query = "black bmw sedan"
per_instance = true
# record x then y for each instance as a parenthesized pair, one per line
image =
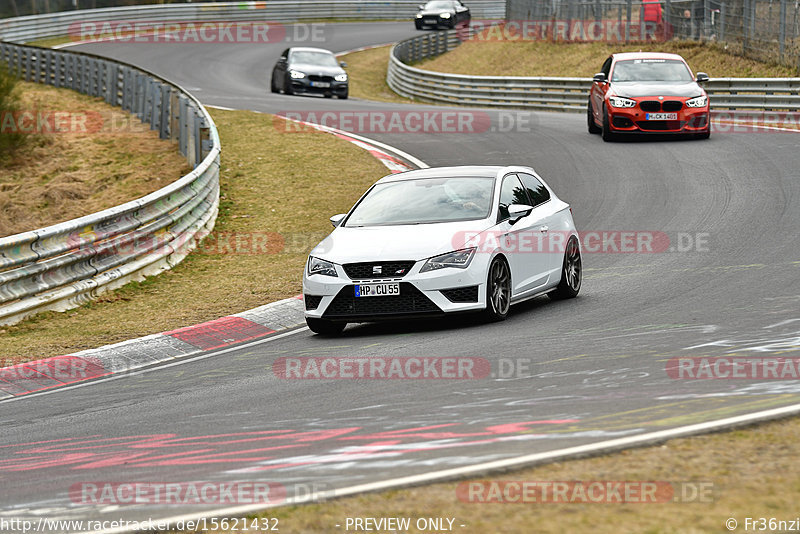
(309, 70)
(442, 14)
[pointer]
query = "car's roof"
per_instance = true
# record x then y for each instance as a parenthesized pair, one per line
(645, 55)
(478, 171)
(308, 49)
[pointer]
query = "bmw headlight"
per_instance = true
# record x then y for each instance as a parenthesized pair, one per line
(697, 102)
(619, 102)
(419, 15)
(445, 15)
(296, 74)
(460, 259)
(341, 77)
(320, 266)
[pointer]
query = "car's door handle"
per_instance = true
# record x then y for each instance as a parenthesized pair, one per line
(544, 229)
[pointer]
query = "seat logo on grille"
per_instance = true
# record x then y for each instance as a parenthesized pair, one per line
(377, 269)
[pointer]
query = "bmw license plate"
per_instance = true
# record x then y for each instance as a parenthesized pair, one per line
(431, 21)
(320, 84)
(377, 290)
(661, 116)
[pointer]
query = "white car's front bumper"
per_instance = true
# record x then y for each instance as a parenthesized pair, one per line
(421, 294)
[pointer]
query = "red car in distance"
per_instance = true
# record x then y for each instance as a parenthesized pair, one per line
(648, 93)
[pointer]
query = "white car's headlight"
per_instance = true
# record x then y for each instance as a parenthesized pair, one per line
(296, 74)
(341, 77)
(320, 266)
(619, 102)
(445, 15)
(460, 259)
(697, 102)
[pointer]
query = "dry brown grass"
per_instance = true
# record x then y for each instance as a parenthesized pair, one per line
(274, 185)
(54, 177)
(541, 58)
(367, 72)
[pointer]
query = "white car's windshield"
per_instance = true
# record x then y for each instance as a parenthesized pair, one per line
(322, 59)
(429, 200)
(651, 70)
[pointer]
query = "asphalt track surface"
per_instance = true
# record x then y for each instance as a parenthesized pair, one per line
(596, 364)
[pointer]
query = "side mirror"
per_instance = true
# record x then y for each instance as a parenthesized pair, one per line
(337, 219)
(600, 77)
(343, 64)
(518, 211)
(702, 77)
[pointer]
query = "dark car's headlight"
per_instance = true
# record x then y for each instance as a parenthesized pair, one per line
(320, 266)
(619, 102)
(697, 102)
(341, 77)
(419, 15)
(296, 74)
(460, 259)
(445, 15)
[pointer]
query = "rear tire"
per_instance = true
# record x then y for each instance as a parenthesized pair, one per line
(608, 135)
(593, 128)
(571, 273)
(498, 291)
(325, 328)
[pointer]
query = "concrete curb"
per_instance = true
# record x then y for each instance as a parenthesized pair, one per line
(270, 319)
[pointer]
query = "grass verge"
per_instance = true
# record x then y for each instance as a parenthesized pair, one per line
(741, 473)
(367, 72)
(538, 58)
(277, 191)
(78, 156)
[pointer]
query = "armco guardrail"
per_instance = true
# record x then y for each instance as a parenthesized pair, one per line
(25, 29)
(548, 93)
(64, 265)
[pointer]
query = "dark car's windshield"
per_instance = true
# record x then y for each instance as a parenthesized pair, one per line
(427, 200)
(651, 70)
(323, 59)
(438, 4)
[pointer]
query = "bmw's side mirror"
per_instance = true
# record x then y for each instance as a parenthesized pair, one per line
(337, 219)
(600, 77)
(702, 77)
(343, 64)
(518, 211)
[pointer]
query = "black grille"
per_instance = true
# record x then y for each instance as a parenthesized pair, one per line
(650, 105)
(672, 105)
(410, 301)
(660, 125)
(389, 269)
(312, 301)
(622, 122)
(461, 294)
(318, 78)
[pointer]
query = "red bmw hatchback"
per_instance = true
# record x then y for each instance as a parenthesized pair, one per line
(648, 93)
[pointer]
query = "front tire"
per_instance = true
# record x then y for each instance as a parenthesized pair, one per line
(571, 273)
(704, 135)
(498, 291)
(344, 95)
(608, 135)
(287, 87)
(592, 127)
(325, 328)
(272, 85)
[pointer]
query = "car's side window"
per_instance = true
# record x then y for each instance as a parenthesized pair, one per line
(511, 192)
(537, 192)
(606, 67)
